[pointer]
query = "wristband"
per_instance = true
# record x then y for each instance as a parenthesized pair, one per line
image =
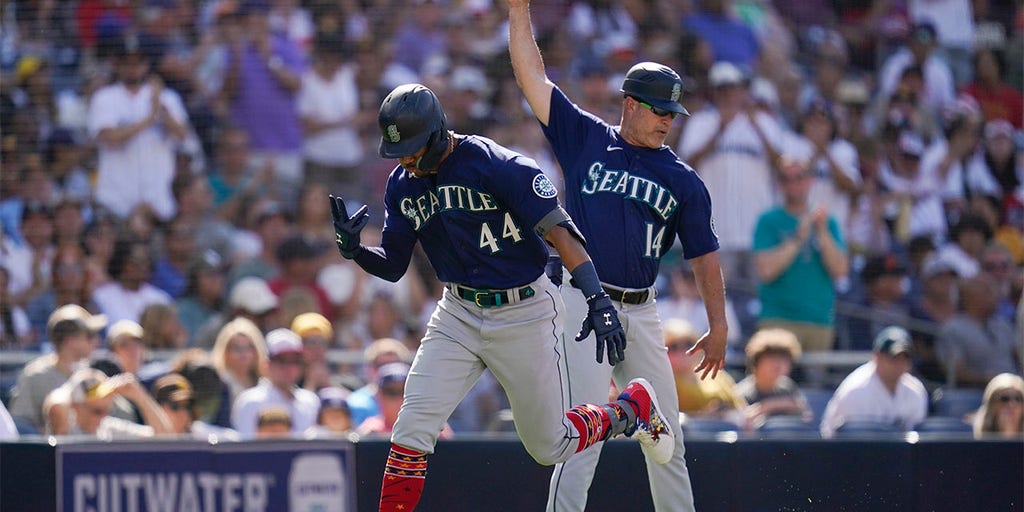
(584, 277)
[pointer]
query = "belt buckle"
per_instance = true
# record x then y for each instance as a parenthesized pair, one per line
(476, 298)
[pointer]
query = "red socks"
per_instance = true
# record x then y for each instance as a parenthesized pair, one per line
(404, 475)
(594, 423)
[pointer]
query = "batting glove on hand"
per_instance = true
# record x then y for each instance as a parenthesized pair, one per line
(553, 268)
(347, 228)
(603, 320)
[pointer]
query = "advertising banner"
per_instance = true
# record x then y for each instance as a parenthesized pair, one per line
(182, 476)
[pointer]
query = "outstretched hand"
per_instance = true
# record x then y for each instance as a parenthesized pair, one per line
(712, 343)
(603, 321)
(347, 228)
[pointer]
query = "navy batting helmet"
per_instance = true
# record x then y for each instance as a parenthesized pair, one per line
(410, 118)
(655, 84)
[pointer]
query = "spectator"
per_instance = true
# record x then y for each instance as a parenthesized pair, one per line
(83, 404)
(136, 124)
(976, 344)
(64, 160)
(685, 303)
(832, 160)
(730, 39)
(170, 270)
(211, 395)
(915, 192)
(234, 181)
(69, 287)
(262, 82)
(998, 99)
(250, 298)
(997, 262)
(195, 206)
(240, 355)
(935, 306)
(390, 390)
(939, 89)
(767, 388)
(124, 339)
(274, 423)
(713, 397)
(422, 35)
(868, 232)
(15, 329)
(734, 150)
(68, 221)
(162, 327)
(967, 240)
(299, 260)
(798, 253)
(37, 231)
(363, 401)
(74, 334)
(880, 390)
(271, 225)
(173, 393)
(204, 294)
(316, 333)
(1002, 411)
(882, 303)
(1002, 160)
(100, 239)
(130, 292)
(279, 389)
(335, 418)
(328, 103)
(8, 430)
(313, 218)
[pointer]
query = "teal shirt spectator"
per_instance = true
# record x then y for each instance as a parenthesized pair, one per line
(804, 292)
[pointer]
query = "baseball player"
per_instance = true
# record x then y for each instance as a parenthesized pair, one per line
(483, 214)
(631, 196)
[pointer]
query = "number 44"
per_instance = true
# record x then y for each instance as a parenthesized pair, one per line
(508, 230)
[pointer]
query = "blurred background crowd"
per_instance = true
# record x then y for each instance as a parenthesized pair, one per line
(166, 166)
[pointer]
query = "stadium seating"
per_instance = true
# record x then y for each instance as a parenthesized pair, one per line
(955, 402)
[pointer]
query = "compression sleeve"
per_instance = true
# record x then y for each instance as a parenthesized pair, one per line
(390, 260)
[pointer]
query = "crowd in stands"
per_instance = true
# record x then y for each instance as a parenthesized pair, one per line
(166, 166)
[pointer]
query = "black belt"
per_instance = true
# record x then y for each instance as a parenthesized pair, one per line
(492, 298)
(627, 296)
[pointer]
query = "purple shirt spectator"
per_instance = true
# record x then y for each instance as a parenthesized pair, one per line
(264, 108)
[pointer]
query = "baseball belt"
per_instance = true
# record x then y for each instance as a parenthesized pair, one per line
(492, 298)
(628, 296)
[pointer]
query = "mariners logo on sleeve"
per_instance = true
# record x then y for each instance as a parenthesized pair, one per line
(543, 187)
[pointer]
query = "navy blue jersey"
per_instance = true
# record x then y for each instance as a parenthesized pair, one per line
(476, 217)
(630, 202)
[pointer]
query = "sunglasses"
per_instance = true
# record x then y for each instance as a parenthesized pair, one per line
(179, 406)
(1005, 399)
(660, 112)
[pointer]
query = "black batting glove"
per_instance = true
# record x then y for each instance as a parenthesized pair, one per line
(553, 269)
(603, 320)
(347, 228)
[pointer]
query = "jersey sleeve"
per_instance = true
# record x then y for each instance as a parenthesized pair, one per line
(696, 229)
(570, 129)
(525, 190)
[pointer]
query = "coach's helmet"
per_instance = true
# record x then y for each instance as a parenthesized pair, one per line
(411, 118)
(655, 84)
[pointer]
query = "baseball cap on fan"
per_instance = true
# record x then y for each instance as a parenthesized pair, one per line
(723, 73)
(253, 295)
(892, 341)
(283, 341)
(72, 319)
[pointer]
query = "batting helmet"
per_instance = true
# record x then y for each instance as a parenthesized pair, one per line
(411, 118)
(655, 84)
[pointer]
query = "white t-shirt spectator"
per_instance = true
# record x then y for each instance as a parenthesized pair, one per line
(863, 396)
(330, 101)
(302, 408)
(141, 169)
(738, 173)
(927, 216)
(939, 90)
(119, 303)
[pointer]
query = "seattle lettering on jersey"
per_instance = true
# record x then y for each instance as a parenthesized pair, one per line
(601, 179)
(420, 210)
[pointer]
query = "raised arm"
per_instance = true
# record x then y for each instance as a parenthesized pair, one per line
(527, 63)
